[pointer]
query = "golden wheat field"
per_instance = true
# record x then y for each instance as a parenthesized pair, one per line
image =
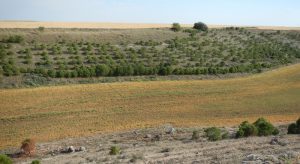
(103, 25)
(49, 113)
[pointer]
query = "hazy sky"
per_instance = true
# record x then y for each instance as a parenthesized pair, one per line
(234, 12)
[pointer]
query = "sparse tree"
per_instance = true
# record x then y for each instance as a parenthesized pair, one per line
(102, 70)
(41, 29)
(200, 26)
(176, 27)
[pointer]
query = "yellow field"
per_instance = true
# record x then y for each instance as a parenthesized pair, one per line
(90, 25)
(49, 113)
(98, 25)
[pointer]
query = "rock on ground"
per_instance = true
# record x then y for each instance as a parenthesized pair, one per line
(157, 146)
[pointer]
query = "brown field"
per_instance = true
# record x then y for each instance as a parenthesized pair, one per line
(94, 25)
(49, 113)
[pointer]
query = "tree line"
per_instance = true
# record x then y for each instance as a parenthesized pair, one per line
(103, 70)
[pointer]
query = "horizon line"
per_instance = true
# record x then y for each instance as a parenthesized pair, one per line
(144, 23)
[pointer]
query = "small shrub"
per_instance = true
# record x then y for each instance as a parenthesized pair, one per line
(176, 27)
(265, 128)
(246, 129)
(201, 26)
(294, 128)
(213, 134)
(15, 39)
(35, 162)
(195, 135)
(114, 150)
(41, 29)
(5, 159)
(28, 147)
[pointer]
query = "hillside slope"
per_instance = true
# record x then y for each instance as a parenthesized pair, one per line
(73, 54)
(49, 113)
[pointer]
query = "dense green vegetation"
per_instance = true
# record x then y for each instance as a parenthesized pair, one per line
(215, 134)
(246, 130)
(261, 127)
(5, 159)
(265, 128)
(114, 150)
(200, 26)
(217, 51)
(294, 128)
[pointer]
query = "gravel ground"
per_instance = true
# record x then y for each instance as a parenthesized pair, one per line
(164, 145)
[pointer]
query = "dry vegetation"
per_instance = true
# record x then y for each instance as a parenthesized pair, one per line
(92, 25)
(136, 147)
(49, 113)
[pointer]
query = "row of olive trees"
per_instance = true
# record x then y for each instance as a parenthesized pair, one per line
(198, 26)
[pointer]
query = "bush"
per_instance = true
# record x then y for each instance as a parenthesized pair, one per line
(176, 27)
(102, 70)
(201, 26)
(265, 128)
(28, 147)
(294, 128)
(15, 39)
(213, 134)
(41, 29)
(35, 162)
(51, 73)
(246, 129)
(195, 135)
(114, 150)
(10, 69)
(5, 159)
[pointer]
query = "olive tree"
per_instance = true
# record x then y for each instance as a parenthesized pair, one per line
(176, 27)
(200, 26)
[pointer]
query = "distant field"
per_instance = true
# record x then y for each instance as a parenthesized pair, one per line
(12, 24)
(49, 113)
(93, 25)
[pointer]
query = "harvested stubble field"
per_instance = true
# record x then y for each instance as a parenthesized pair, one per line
(103, 25)
(81, 25)
(49, 113)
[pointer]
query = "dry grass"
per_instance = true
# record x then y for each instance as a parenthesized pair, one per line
(28, 147)
(91, 25)
(49, 113)
(97, 25)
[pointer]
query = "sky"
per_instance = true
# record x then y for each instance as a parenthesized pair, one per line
(222, 12)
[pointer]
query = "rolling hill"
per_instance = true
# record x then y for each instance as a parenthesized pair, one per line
(49, 113)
